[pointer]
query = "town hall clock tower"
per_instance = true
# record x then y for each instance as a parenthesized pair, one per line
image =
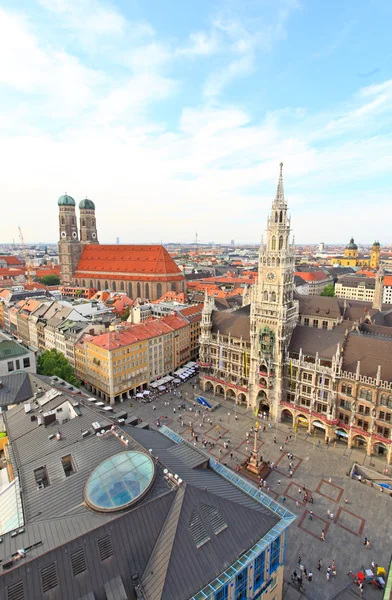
(274, 312)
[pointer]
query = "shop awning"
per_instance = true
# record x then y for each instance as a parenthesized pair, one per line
(319, 424)
(341, 432)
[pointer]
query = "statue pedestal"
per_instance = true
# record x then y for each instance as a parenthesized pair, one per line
(254, 468)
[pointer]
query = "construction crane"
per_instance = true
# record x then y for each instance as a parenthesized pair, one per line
(27, 263)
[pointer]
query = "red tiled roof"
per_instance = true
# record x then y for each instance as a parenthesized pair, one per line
(190, 310)
(11, 260)
(127, 262)
(131, 334)
(312, 275)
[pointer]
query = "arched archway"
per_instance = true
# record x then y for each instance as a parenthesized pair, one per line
(230, 394)
(159, 290)
(380, 449)
(359, 441)
(122, 286)
(130, 289)
(273, 297)
(84, 283)
(106, 285)
(147, 291)
(263, 382)
(262, 402)
(208, 387)
(281, 242)
(276, 217)
(302, 420)
(138, 290)
(99, 285)
(219, 390)
(265, 296)
(287, 416)
(273, 243)
(114, 287)
(173, 286)
(241, 398)
(91, 283)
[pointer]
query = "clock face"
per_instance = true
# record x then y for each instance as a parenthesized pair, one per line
(271, 275)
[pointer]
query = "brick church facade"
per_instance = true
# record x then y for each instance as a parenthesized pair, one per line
(140, 271)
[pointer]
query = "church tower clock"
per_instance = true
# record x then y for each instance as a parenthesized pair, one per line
(274, 312)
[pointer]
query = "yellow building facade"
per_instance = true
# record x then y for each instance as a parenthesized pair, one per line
(351, 258)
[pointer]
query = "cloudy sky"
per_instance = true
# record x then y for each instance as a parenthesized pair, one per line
(174, 116)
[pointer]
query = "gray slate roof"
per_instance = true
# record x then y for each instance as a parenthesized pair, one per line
(313, 340)
(153, 535)
(15, 388)
(237, 322)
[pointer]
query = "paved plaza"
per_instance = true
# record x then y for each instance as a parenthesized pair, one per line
(322, 470)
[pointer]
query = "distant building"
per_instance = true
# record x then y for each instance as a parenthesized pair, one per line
(142, 271)
(351, 258)
(232, 243)
(316, 281)
(361, 287)
(321, 247)
(117, 240)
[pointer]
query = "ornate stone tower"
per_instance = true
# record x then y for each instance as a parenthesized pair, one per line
(205, 333)
(274, 313)
(69, 245)
(375, 256)
(378, 290)
(88, 224)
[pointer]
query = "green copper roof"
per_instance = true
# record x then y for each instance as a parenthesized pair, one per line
(352, 245)
(66, 201)
(10, 349)
(86, 203)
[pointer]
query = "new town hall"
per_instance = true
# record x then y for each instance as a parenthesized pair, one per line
(322, 363)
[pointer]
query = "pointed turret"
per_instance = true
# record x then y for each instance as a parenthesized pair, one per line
(279, 198)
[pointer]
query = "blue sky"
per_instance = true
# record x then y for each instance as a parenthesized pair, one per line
(174, 116)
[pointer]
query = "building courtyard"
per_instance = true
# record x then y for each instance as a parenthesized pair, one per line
(321, 469)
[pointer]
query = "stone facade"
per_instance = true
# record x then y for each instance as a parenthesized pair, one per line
(323, 363)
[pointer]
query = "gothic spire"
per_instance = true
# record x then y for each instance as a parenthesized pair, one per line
(279, 198)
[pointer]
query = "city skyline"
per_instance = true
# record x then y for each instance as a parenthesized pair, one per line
(189, 115)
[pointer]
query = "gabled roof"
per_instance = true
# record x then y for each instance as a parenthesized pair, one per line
(127, 262)
(15, 388)
(318, 306)
(371, 352)
(236, 322)
(313, 340)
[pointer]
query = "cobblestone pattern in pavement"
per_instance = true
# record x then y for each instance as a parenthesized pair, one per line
(322, 470)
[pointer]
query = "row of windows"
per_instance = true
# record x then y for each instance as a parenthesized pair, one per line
(121, 287)
(241, 580)
(315, 323)
(16, 365)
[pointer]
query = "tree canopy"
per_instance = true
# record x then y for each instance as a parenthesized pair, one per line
(50, 279)
(52, 362)
(329, 290)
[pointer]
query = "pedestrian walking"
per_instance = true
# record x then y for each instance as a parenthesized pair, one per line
(299, 491)
(319, 564)
(305, 572)
(291, 473)
(368, 545)
(327, 575)
(323, 535)
(274, 440)
(329, 514)
(174, 409)
(299, 559)
(154, 407)
(330, 480)
(297, 503)
(310, 576)
(345, 501)
(311, 516)
(301, 568)
(278, 481)
(365, 541)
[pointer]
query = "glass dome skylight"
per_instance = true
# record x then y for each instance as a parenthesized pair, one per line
(119, 481)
